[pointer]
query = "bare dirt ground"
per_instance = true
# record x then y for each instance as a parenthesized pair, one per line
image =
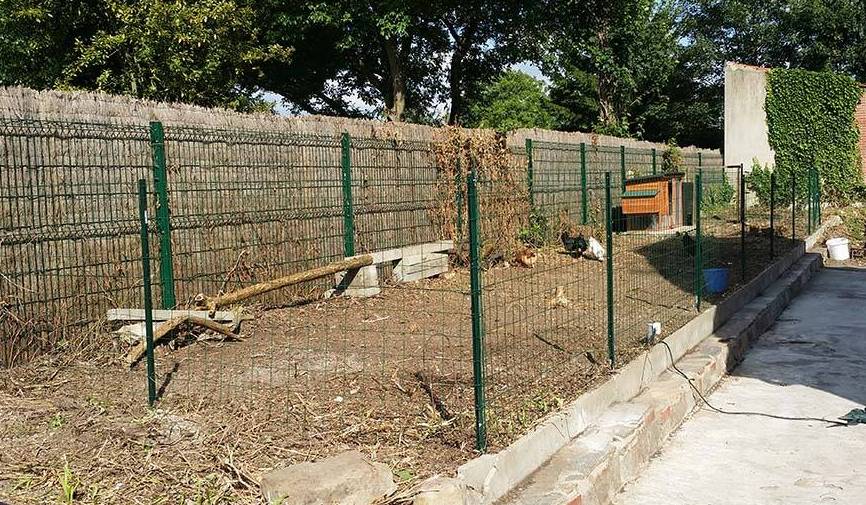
(389, 375)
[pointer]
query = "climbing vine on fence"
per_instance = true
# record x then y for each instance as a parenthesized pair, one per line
(810, 116)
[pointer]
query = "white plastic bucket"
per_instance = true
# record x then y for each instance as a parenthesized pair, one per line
(838, 249)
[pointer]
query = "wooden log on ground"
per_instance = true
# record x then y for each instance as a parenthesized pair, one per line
(139, 349)
(233, 297)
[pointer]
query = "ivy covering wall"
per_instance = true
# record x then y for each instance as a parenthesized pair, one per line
(810, 116)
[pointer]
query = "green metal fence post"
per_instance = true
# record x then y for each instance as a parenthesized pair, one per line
(772, 215)
(477, 310)
(793, 206)
(809, 210)
(148, 297)
(529, 172)
(584, 196)
(699, 249)
(654, 160)
(818, 196)
(458, 197)
(608, 220)
(622, 167)
(348, 208)
(742, 190)
(816, 199)
(163, 213)
(700, 159)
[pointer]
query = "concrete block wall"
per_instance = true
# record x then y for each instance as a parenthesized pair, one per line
(746, 130)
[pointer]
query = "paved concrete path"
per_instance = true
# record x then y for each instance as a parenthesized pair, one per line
(812, 362)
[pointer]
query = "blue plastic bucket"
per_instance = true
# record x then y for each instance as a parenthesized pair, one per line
(716, 279)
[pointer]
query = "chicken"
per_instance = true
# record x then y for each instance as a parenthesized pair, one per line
(574, 246)
(688, 243)
(526, 257)
(594, 250)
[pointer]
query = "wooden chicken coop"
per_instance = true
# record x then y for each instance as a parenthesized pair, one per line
(654, 202)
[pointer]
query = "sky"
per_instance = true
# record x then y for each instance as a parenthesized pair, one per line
(282, 110)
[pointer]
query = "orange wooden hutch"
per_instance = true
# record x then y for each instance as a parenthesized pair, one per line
(653, 202)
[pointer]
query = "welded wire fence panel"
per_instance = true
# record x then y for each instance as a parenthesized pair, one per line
(251, 206)
(543, 305)
(692, 161)
(355, 356)
(568, 182)
(720, 242)
(558, 180)
(68, 217)
(653, 257)
(642, 161)
(611, 159)
(394, 192)
(381, 355)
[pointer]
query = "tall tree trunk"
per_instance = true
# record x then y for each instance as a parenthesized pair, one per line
(455, 85)
(608, 110)
(396, 102)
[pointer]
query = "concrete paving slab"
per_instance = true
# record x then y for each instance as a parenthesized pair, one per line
(810, 363)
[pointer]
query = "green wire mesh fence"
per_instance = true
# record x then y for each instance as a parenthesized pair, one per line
(503, 280)
(68, 218)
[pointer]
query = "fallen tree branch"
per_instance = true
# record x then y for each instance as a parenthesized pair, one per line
(427, 386)
(169, 326)
(233, 297)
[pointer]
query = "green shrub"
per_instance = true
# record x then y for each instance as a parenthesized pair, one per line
(716, 194)
(758, 182)
(672, 157)
(537, 231)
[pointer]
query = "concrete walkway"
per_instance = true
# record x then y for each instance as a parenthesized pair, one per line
(811, 363)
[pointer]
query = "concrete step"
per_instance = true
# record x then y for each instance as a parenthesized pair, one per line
(591, 468)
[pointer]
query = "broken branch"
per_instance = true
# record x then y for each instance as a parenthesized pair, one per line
(169, 326)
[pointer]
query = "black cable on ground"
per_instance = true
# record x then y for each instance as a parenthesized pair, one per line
(742, 413)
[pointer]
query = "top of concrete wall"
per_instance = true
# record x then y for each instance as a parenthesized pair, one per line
(746, 131)
(55, 105)
(742, 66)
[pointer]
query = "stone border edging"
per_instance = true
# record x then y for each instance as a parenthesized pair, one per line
(493, 476)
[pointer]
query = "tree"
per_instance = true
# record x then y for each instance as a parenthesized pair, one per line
(37, 37)
(484, 37)
(191, 51)
(390, 58)
(514, 100)
(178, 51)
(355, 58)
(809, 34)
(621, 50)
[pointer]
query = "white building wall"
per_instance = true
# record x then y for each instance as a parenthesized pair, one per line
(746, 133)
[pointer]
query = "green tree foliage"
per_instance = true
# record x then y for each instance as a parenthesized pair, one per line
(393, 59)
(37, 38)
(178, 51)
(515, 100)
(353, 58)
(808, 34)
(810, 116)
(619, 55)
(190, 51)
(645, 68)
